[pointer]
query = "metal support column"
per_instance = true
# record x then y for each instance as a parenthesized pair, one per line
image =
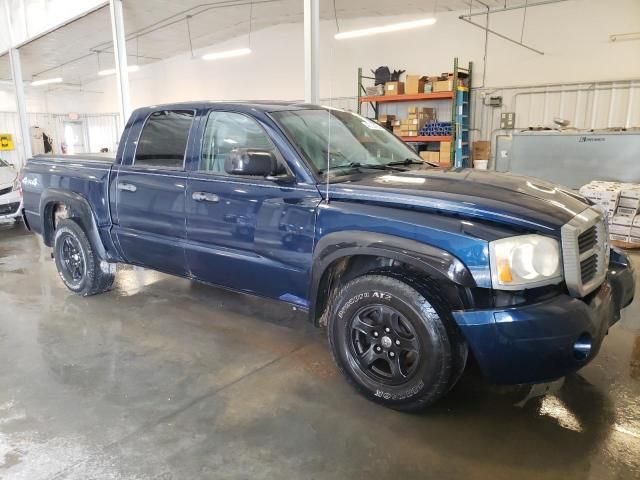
(311, 51)
(120, 54)
(16, 73)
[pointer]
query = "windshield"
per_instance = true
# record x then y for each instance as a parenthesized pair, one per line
(354, 141)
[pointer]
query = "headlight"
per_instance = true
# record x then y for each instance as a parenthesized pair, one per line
(17, 183)
(525, 261)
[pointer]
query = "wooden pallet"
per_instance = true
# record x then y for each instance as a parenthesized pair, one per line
(625, 245)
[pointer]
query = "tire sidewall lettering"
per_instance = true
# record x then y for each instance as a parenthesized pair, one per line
(377, 295)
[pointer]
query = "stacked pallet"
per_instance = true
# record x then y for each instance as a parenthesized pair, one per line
(621, 204)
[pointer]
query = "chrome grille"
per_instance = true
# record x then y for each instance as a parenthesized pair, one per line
(588, 268)
(585, 252)
(587, 239)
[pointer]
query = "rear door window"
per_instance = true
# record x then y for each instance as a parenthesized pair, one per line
(163, 141)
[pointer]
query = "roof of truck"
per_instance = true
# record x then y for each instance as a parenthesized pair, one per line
(261, 105)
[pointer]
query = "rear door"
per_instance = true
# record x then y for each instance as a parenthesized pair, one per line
(249, 233)
(149, 189)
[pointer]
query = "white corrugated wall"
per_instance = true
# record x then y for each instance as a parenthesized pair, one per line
(589, 105)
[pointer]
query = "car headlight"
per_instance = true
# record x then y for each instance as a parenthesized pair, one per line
(525, 261)
(17, 183)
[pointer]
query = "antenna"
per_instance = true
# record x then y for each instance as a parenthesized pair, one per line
(329, 143)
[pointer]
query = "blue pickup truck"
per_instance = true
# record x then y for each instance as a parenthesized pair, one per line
(412, 269)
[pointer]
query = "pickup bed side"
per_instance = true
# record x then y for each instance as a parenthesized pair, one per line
(70, 186)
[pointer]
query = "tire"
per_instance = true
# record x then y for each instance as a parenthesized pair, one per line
(79, 267)
(407, 367)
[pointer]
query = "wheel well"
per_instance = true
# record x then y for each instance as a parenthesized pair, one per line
(345, 269)
(54, 212)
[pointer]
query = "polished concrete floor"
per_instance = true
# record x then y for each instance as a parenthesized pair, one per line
(163, 378)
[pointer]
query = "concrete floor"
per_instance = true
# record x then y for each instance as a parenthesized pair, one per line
(164, 378)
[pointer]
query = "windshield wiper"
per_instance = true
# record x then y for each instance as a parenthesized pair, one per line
(413, 161)
(374, 166)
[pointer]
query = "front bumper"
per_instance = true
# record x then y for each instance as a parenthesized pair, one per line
(11, 205)
(544, 341)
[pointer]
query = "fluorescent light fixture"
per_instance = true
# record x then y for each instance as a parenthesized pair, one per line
(112, 71)
(46, 81)
(227, 54)
(394, 27)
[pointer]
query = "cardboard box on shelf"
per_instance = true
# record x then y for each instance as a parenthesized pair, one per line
(445, 151)
(394, 88)
(428, 156)
(414, 84)
(384, 118)
(443, 85)
(481, 150)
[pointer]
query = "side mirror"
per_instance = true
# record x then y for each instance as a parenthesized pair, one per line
(249, 161)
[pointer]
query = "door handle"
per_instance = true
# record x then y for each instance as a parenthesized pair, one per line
(127, 187)
(205, 197)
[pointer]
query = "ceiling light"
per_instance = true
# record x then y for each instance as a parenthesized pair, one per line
(226, 54)
(112, 71)
(46, 81)
(394, 27)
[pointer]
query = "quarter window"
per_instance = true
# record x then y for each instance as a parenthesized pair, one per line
(163, 141)
(226, 132)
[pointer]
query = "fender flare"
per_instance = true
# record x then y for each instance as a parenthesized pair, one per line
(436, 262)
(81, 209)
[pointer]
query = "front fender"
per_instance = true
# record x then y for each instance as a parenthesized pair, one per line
(433, 261)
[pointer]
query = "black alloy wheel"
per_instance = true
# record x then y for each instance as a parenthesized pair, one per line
(73, 263)
(384, 344)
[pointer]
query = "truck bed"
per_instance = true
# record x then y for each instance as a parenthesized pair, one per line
(84, 175)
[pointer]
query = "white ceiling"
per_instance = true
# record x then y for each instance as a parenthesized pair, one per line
(157, 29)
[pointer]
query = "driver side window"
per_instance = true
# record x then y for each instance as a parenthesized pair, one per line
(226, 132)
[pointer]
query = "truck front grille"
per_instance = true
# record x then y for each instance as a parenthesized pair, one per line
(585, 252)
(588, 268)
(587, 239)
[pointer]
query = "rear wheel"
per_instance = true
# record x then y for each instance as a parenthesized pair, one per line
(79, 267)
(391, 344)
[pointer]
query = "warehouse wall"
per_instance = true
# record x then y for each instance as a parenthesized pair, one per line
(101, 131)
(574, 36)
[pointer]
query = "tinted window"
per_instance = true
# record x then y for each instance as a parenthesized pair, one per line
(163, 141)
(226, 132)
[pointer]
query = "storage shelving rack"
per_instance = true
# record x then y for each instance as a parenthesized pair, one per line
(460, 111)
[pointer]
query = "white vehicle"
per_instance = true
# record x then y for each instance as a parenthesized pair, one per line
(10, 192)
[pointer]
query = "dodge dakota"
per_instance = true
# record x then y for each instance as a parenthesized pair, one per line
(413, 270)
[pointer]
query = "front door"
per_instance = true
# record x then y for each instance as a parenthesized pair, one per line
(150, 194)
(248, 233)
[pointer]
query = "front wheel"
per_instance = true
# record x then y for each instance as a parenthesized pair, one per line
(79, 266)
(391, 344)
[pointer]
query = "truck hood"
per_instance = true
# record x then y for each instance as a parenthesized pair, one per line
(7, 175)
(526, 202)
